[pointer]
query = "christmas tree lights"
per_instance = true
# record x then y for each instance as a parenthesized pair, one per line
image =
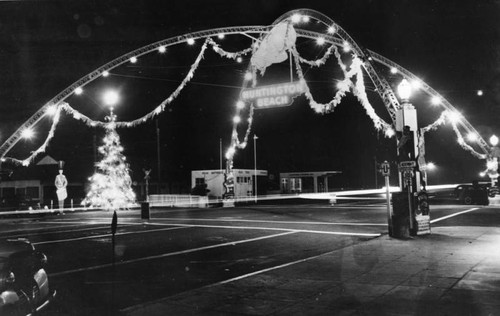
(111, 185)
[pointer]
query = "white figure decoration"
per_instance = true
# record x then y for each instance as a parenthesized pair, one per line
(61, 183)
(273, 48)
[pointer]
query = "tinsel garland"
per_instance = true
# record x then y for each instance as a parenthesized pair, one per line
(234, 138)
(360, 92)
(160, 108)
(226, 54)
(343, 87)
(81, 117)
(340, 62)
(26, 162)
(440, 121)
(93, 123)
(463, 144)
(244, 143)
(321, 61)
(235, 142)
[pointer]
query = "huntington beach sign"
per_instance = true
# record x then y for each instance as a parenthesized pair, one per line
(273, 95)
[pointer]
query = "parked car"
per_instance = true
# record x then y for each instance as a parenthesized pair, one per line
(24, 284)
(473, 194)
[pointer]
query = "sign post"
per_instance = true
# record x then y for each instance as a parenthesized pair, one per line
(385, 169)
(407, 168)
(114, 224)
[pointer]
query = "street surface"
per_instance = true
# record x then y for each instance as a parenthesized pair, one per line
(178, 250)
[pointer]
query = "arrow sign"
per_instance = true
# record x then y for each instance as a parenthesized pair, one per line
(385, 168)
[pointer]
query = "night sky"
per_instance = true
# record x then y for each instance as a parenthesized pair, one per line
(45, 46)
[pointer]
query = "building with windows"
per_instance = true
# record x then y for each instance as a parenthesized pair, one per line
(244, 180)
(308, 182)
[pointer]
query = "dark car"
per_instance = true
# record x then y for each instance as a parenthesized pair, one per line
(24, 284)
(473, 194)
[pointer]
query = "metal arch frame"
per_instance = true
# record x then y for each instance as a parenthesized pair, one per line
(64, 94)
(429, 90)
(382, 87)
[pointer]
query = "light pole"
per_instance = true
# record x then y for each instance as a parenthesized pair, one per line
(158, 155)
(408, 151)
(221, 170)
(492, 161)
(255, 164)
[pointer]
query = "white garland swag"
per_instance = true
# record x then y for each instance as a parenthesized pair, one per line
(343, 87)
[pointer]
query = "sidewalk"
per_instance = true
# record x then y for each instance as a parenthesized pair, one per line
(453, 271)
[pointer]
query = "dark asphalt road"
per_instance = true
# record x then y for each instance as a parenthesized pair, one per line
(183, 249)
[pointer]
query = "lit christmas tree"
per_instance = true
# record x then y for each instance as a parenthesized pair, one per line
(111, 185)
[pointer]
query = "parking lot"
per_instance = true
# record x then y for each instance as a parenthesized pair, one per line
(181, 250)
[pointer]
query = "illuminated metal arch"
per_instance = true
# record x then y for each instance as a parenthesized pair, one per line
(382, 87)
(433, 93)
(338, 38)
(64, 94)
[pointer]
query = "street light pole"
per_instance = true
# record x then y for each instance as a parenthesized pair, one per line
(220, 154)
(255, 164)
(158, 155)
(221, 171)
(492, 161)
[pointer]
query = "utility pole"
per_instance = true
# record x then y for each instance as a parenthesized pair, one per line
(158, 155)
(255, 163)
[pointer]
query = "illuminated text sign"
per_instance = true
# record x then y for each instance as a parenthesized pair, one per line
(274, 95)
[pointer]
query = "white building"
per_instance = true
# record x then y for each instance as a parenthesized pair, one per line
(243, 181)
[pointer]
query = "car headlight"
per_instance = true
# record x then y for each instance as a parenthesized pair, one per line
(41, 259)
(6, 279)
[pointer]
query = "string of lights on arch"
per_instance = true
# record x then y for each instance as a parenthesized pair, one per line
(352, 81)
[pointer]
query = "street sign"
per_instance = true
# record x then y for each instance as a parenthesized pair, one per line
(407, 175)
(407, 165)
(385, 168)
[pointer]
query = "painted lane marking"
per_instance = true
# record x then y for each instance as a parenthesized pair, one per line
(267, 221)
(170, 254)
(270, 269)
(31, 232)
(453, 215)
(35, 229)
(284, 265)
(104, 235)
(277, 229)
(322, 207)
(94, 222)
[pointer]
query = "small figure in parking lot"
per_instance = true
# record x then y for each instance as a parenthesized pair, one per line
(61, 183)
